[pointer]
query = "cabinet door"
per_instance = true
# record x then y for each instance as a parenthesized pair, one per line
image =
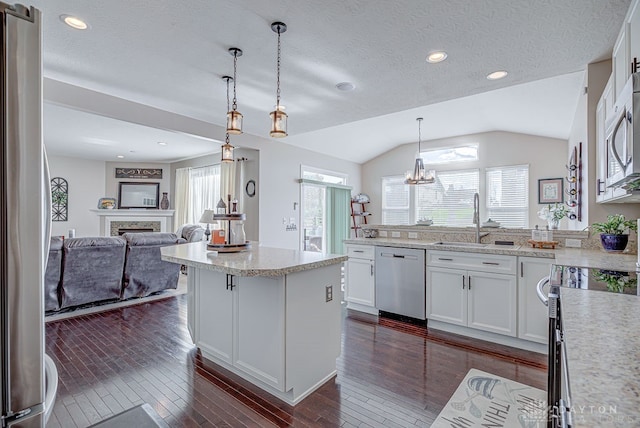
(533, 317)
(360, 282)
(447, 295)
(602, 192)
(633, 28)
(259, 328)
(492, 302)
(621, 69)
(214, 328)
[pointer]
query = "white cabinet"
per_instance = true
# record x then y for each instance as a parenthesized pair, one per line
(360, 278)
(240, 321)
(620, 63)
(633, 29)
(533, 318)
(477, 298)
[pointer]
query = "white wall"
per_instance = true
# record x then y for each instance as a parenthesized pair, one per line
(86, 180)
(546, 158)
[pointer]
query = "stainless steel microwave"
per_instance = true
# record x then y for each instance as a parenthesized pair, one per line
(623, 136)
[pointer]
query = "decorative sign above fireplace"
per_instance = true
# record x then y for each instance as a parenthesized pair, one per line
(154, 173)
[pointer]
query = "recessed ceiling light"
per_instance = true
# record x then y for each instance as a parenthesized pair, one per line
(497, 75)
(435, 57)
(74, 22)
(346, 86)
(120, 156)
(162, 143)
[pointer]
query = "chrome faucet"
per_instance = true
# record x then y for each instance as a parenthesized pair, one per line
(476, 215)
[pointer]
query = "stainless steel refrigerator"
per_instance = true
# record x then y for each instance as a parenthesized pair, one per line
(24, 220)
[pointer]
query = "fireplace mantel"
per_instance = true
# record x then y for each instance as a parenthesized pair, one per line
(163, 217)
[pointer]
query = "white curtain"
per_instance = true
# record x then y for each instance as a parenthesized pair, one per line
(197, 189)
(181, 196)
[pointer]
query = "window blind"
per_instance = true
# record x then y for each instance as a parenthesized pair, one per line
(507, 199)
(395, 200)
(448, 201)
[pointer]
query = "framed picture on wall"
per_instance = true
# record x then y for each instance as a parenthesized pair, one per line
(550, 190)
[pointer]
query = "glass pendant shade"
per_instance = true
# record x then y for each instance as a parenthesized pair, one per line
(227, 152)
(234, 122)
(278, 123)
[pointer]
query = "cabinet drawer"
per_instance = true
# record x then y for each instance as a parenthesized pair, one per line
(360, 251)
(472, 261)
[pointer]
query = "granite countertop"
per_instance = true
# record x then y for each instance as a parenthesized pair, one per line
(578, 257)
(603, 352)
(258, 261)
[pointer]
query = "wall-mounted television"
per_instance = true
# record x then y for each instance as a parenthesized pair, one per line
(138, 195)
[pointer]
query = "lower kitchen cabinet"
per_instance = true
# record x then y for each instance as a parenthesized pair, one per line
(241, 322)
(481, 300)
(533, 317)
(360, 279)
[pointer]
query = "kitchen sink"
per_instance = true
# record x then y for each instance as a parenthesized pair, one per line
(460, 244)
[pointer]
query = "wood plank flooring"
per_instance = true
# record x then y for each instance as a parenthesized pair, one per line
(389, 374)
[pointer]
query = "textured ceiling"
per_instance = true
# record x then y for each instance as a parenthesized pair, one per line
(171, 55)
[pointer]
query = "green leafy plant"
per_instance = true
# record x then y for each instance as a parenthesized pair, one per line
(616, 224)
(553, 212)
(615, 281)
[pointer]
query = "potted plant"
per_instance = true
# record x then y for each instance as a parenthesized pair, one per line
(614, 233)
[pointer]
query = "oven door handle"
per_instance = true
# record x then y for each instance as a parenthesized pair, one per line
(544, 281)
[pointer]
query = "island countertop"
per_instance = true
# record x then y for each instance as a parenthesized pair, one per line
(603, 353)
(258, 261)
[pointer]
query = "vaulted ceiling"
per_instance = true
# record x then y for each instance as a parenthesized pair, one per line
(171, 55)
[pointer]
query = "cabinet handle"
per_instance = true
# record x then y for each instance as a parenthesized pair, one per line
(445, 260)
(463, 282)
(469, 282)
(634, 65)
(521, 269)
(358, 251)
(598, 189)
(398, 256)
(491, 263)
(230, 282)
(371, 269)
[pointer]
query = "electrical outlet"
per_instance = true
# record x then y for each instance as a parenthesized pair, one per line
(573, 243)
(328, 291)
(383, 233)
(395, 234)
(413, 235)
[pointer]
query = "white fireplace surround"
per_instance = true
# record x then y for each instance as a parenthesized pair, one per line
(164, 217)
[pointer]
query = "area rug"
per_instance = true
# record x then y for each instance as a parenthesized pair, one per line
(486, 400)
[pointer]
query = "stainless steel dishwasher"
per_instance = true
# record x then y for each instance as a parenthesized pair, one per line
(400, 281)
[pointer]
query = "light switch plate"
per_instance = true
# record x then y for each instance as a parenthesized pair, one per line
(413, 235)
(383, 233)
(395, 234)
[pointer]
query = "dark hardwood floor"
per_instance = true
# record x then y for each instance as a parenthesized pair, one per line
(389, 374)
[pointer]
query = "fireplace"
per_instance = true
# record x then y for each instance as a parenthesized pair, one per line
(115, 222)
(133, 226)
(124, 230)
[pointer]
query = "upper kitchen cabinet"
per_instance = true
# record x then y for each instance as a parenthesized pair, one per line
(633, 35)
(620, 61)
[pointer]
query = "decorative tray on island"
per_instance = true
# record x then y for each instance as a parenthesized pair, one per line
(229, 248)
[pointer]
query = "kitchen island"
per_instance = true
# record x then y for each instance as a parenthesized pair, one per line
(269, 315)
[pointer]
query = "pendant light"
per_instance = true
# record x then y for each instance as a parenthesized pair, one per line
(234, 117)
(227, 148)
(278, 116)
(420, 176)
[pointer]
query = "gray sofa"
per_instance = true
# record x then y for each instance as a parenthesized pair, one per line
(95, 269)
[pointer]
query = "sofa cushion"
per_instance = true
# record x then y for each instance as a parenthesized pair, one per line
(145, 272)
(91, 270)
